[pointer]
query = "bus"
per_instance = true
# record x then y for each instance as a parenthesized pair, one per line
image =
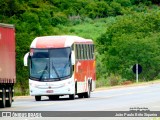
(61, 65)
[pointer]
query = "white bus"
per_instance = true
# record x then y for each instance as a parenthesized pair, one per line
(61, 65)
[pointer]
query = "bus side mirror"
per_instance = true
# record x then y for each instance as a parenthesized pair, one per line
(25, 60)
(73, 58)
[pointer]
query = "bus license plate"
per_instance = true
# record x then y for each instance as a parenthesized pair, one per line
(49, 91)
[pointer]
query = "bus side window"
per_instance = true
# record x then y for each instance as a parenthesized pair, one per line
(81, 50)
(91, 51)
(88, 52)
(76, 51)
(85, 51)
(72, 47)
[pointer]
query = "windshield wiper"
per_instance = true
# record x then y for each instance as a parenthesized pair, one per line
(43, 72)
(55, 71)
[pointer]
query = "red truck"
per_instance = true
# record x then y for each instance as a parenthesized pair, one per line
(7, 64)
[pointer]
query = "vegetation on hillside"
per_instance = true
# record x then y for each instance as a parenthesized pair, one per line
(125, 32)
(130, 40)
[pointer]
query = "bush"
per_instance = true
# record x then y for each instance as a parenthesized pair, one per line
(116, 8)
(59, 18)
(114, 80)
(124, 3)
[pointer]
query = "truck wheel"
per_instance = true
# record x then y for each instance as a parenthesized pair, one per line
(38, 98)
(3, 97)
(9, 95)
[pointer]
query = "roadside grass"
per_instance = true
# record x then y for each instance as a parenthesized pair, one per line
(18, 91)
(156, 118)
(129, 85)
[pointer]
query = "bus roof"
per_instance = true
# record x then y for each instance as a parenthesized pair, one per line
(58, 41)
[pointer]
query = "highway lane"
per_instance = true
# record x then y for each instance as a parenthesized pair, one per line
(115, 99)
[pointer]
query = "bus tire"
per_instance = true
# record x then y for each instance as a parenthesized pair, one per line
(9, 96)
(80, 95)
(3, 97)
(72, 97)
(88, 93)
(38, 98)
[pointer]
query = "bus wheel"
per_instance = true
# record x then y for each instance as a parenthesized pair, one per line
(3, 97)
(9, 95)
(72, 97)
(38, 98)
(88, 93)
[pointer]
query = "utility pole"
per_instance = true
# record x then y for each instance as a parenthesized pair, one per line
(137, 69)
(137, 72)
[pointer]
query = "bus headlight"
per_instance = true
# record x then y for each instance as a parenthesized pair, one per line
(70, 82)
(32, 84)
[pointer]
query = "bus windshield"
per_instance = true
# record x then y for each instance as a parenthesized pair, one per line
(50, 64)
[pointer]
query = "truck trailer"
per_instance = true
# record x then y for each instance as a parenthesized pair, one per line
(7, 64)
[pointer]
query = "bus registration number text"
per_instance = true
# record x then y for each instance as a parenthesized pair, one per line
(49, 91)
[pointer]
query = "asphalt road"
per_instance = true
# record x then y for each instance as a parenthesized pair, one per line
(115, 99)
